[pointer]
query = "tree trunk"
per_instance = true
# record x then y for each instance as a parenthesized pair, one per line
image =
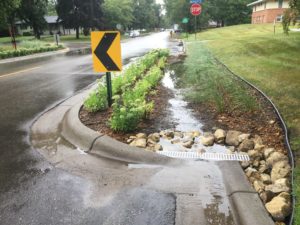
(222, 23)
(12, 35)
(77, 32)
(36, 32)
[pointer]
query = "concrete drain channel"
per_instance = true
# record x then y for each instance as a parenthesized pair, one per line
(206, 156)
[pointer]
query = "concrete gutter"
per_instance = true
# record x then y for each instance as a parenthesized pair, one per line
(102, 145)
(246, 205)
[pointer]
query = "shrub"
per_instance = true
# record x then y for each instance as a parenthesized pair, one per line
(97, 100)
(131, 107)
(27, 33)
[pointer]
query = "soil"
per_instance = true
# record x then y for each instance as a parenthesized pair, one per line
(159, 119)
(262, 122)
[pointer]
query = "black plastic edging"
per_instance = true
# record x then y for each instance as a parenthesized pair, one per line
(283, 125)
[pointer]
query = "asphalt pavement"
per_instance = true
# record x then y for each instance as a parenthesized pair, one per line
(55, 182)
(32, 191)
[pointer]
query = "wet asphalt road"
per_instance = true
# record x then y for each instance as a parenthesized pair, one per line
(31, 190)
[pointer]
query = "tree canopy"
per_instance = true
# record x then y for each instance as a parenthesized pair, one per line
(291, 15)
(116, 13)
(225, 12)
(78, 13)
(7, 9)
(33, 12)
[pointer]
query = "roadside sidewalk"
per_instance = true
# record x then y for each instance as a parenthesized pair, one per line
(198, 186)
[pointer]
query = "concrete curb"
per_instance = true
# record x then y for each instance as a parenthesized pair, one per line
(104, 146)
(247, 207)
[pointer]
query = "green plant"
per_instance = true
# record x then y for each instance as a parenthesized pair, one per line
(131, 106)
(97, 100)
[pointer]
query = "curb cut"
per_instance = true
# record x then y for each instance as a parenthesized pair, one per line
(247, 207)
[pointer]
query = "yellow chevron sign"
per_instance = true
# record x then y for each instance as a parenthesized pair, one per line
(106, 50)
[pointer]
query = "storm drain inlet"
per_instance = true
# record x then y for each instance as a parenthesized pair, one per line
(207, 156)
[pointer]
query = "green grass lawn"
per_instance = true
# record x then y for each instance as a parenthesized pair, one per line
(271, 62)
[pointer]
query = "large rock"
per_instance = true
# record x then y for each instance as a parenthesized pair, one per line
(258, 186)
(251, 172)
(275, 157)
(266, 196)
(154, 137)
(280, 169)
(141, 135)
(139, 142)
(232, 138)
(196, 133)
(175, 141)
(167, 134)
(178, 134)
(187, 144)
(245, 164)
(158, 147)
(281, 185)
(254, 154)
(265, 178)
(220, 136)
(243, 137)
(257, 140)
(268, 152)
(246, 145)
(208, 140)
(263, 168)
(279, 207)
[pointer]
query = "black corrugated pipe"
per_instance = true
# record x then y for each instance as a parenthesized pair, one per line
(284, 127)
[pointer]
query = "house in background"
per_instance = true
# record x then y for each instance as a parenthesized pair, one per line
(266, 11)
(54, 26)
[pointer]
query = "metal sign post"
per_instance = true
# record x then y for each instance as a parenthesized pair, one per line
(195, 27)
(109, 88)
(106, 50)
(196, 10)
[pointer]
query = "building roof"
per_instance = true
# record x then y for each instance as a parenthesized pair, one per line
(256, 2)
(52, 19)
(49, 20)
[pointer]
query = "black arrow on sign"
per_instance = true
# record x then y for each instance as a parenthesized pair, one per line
(101, 51)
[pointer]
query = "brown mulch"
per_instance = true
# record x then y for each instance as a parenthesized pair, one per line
(159, 119)
(262, 122)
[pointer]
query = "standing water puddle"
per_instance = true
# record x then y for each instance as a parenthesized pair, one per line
(186, 123)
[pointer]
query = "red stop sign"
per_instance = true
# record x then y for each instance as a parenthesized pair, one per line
(196, 9)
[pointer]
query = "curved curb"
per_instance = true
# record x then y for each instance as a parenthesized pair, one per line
(104, 146)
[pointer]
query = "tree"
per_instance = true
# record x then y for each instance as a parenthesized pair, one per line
(225, 12)
(51, 11)
(77, 13)
(7, 17)
(179, 9)
(7, 8)
(116, 13)
(33, 12)
(145, 14)
(291, 15)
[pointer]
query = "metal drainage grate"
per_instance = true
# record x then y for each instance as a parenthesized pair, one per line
(207, 156)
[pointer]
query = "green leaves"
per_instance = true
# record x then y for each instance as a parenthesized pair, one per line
(131, 107)
(29, 48)
(130, 91)
(97, 100)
